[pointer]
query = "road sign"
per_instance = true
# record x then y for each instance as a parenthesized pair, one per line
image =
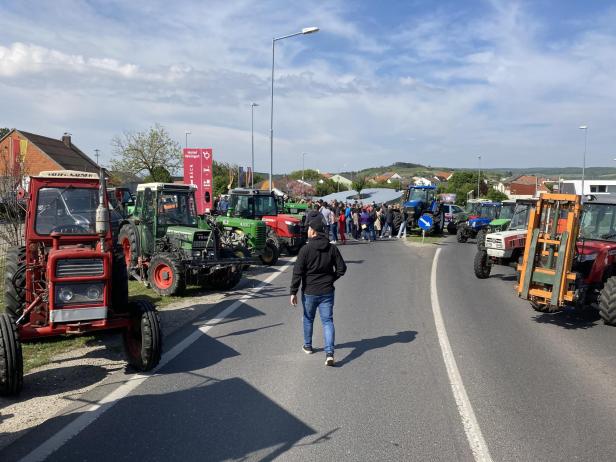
(425, 222)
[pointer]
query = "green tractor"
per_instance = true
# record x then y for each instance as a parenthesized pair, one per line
(244, 231)
(498, 224)
(166, 245)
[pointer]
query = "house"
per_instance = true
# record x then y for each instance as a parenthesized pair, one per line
(391, 176)
(421, 181)
(342, 181)
(590, 186)
(523, 186)
(443, 176)
(37, 153)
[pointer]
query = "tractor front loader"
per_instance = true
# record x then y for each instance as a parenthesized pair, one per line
(70, 278)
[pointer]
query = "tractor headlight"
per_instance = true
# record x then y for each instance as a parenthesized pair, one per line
(94, 293)
(588, 257)
(65, 294)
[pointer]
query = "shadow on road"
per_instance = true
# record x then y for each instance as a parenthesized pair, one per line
(570, 318)
(250, 331)
(359, 347)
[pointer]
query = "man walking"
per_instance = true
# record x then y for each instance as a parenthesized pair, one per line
(319, 264)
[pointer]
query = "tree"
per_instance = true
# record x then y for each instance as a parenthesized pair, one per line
(495, 195)
(359, 184)
(4, 131)
(309, 174)
(159, 174)
(325, 187)
(461, 183)
(147, 151)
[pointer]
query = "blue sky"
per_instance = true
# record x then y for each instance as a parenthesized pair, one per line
(433, 82)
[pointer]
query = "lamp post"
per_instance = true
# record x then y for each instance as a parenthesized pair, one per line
(304, 31)
(97, 153)
(479, 177)
(186, 133)
(585, 128)
(252, 140)
(303, 158)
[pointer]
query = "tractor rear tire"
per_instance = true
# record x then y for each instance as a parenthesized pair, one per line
(461, 235)
(607, 302)
(482, 265)
(119, 283)
(166, 275)
(225, 279)
(127, 239)
(542, 308)
(143, 340)
(11, 359)
(270, 254)
(481, 238)
(15, 281)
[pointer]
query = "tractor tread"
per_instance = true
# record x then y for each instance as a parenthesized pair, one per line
(11, 359)
(15, 281)
(144, 312)
(481, 265)
(607, 302)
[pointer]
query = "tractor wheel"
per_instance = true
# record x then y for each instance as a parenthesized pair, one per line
(127, 238)
(166, 275)
(11, 360)
(607, 302)
(15, 281)
(481, 238)
(482, 265)
(225, 279)
(461, 235)
(119, 283)
(143, 339)
(270, 253)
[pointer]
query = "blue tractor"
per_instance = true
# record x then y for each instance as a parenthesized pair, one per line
(488, 211)
(423, 200)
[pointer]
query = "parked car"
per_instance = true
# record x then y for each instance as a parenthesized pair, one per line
(450, 209)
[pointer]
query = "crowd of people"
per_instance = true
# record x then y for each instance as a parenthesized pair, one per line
(358, 221)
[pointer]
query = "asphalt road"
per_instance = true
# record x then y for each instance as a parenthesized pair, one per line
(542, 387)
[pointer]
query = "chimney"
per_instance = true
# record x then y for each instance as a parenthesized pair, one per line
(66, 139)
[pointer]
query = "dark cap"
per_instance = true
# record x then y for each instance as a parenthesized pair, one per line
(317, 225)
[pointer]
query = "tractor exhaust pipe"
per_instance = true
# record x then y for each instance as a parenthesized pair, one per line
(102, 212)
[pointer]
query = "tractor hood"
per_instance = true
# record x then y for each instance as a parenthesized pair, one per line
(588, 250)
(282, 217)
(505, 240)
(413, 204)
(500, 222)
(478, 222)
(182, 232)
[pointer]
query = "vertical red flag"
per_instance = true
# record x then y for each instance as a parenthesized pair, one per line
(207, 180)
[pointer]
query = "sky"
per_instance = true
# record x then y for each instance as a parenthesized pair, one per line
(430, 82)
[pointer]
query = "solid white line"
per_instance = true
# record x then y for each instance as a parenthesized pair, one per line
(96, 410)
(474, 436)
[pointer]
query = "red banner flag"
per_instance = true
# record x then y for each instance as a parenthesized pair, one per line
(198, 171)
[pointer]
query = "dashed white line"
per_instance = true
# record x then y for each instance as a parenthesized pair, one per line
(96, 410)
(474, 436)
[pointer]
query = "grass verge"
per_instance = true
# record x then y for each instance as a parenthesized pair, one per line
(428, 239)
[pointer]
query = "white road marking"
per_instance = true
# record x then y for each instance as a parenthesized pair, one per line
(474, 436)
(96, 410)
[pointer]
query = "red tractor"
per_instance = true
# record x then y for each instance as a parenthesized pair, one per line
(284, 230)
(70, 278)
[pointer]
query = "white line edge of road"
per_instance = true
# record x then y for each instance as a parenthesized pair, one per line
(93, 412)
(478, 445)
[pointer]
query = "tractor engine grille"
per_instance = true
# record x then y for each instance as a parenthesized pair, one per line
(72, 267)
(201, 240)
(260, 237)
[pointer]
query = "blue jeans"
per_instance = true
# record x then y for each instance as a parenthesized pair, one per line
(325, 304)
(371, 232)
(334, 231)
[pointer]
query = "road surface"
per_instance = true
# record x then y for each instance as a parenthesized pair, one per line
(512, 384)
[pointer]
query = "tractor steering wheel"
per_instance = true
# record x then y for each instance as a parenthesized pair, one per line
(70, 229)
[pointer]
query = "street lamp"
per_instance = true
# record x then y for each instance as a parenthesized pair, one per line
(186, 139)
(303, 157)
(305, 31)
(585, 128)
(479, 176)
(252, 137)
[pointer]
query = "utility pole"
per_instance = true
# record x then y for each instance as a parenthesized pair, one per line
(97, 151)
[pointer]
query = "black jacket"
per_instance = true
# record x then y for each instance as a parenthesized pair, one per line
(318, 265)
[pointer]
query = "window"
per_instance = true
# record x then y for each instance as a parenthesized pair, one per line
(66, 210)
(598, 188)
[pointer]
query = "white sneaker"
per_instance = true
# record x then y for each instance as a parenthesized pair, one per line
(332, 242)
(329, 360)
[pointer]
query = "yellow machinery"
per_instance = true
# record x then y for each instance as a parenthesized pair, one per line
(546, 279)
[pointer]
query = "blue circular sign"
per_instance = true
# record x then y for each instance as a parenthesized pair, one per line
(425, 222)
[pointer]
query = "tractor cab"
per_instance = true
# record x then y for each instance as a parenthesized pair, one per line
(488, 211)
(420, 200)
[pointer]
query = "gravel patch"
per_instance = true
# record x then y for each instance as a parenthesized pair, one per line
(50, 388)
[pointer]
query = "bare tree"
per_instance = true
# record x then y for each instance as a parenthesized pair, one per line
(147, 151)
(12, 208)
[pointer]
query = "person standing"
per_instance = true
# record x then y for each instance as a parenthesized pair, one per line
(402, 229)
(333, 225)
(342, 226)
(348, 219)
(364, 220)
(319, 264)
